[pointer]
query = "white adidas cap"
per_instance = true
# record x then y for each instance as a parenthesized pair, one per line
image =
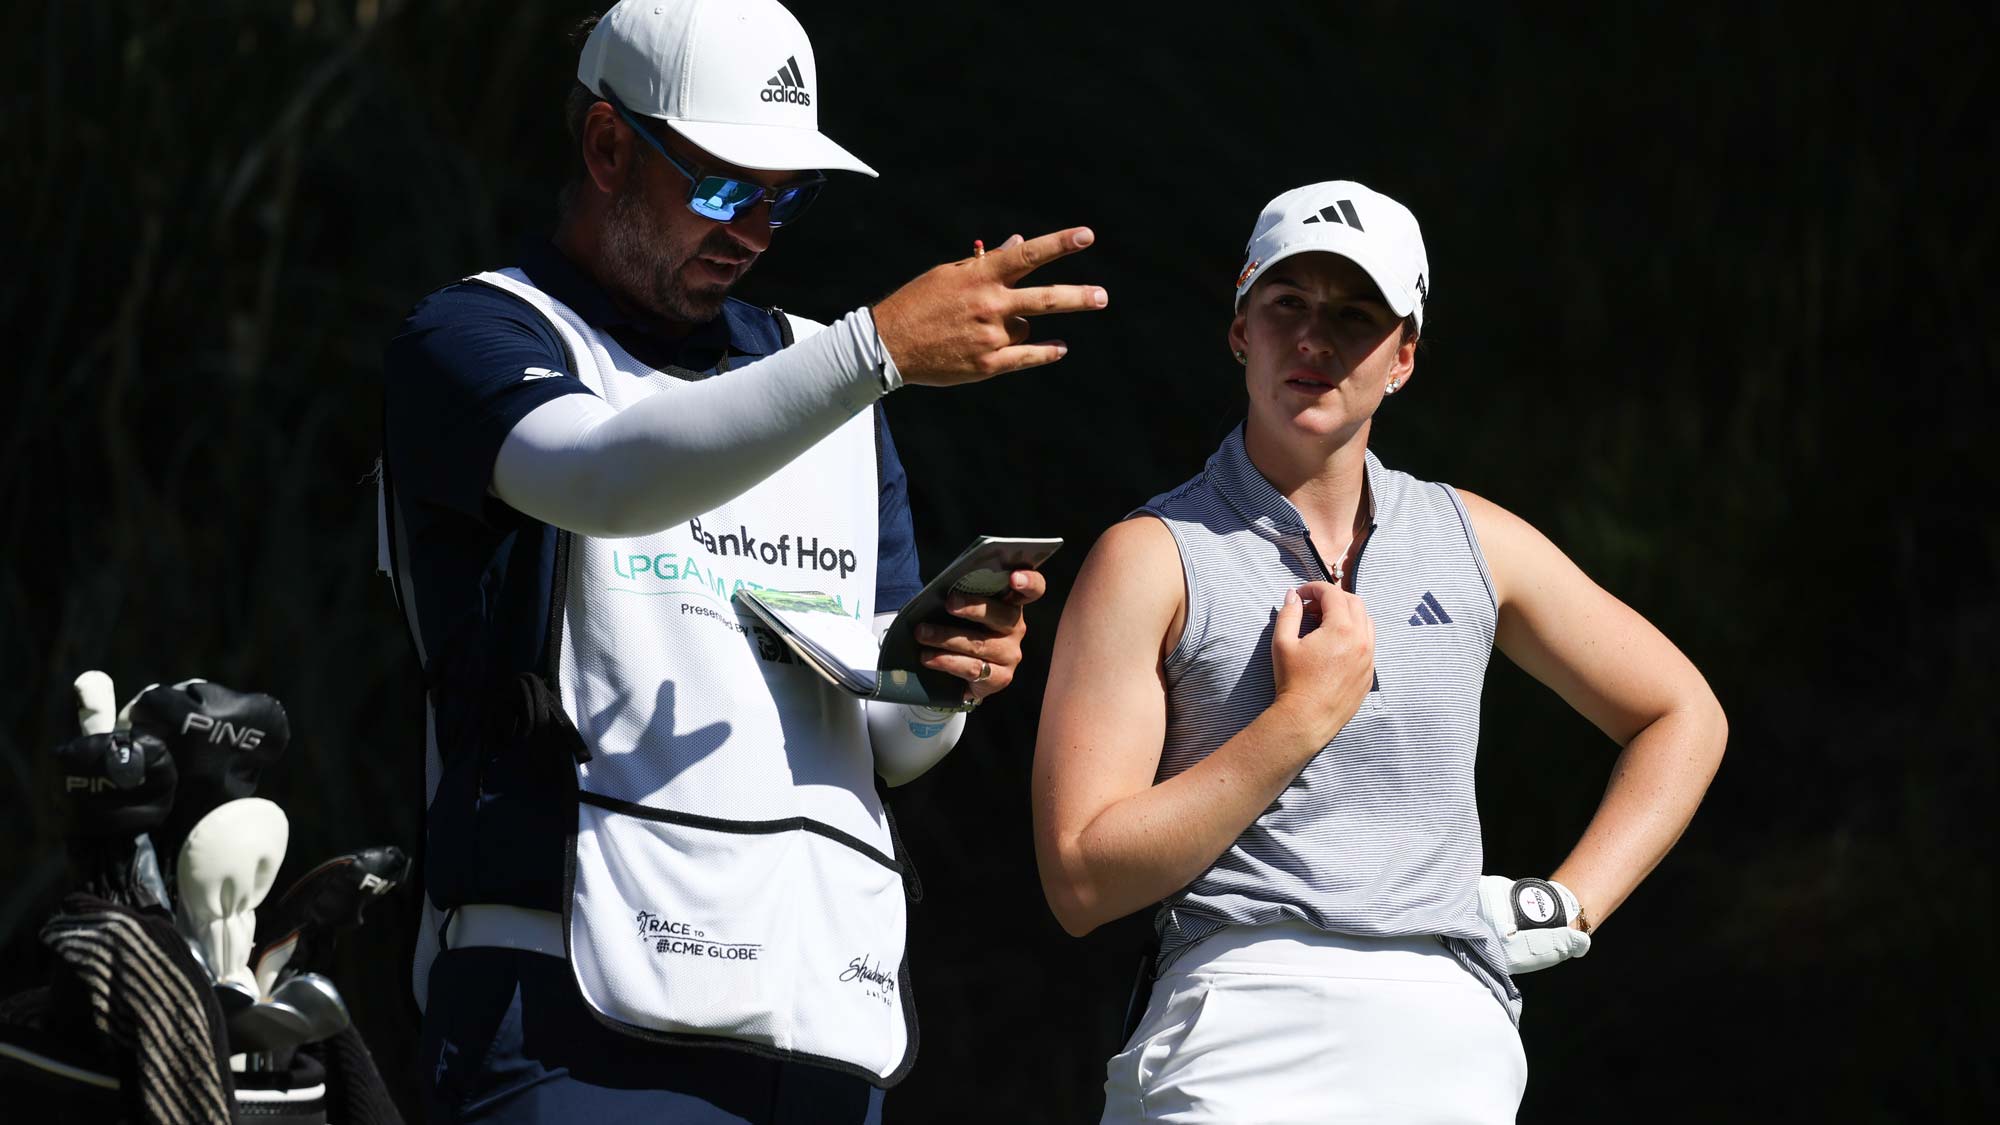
(736, 77)
(1343, 217)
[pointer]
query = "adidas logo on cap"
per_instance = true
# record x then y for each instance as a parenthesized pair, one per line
(1333, 212)
(787, 85)
(734, 78)
(1354, 221)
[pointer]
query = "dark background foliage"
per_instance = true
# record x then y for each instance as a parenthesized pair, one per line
(1709, 283)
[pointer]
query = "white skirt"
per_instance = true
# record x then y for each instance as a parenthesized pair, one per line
(1286, 1023)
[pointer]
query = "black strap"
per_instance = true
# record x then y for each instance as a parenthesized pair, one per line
(913, 887)
(389, 522)
(558, 599)
(1142, 990)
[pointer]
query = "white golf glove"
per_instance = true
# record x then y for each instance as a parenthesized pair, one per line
(1532, 917)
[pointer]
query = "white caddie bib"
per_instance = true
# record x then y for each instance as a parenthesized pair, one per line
(733, 872)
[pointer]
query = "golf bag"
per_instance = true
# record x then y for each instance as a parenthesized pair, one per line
(151, 1010)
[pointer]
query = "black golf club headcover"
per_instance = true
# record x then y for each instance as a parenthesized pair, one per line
(114, 786)
(113, 789)
(327, 902)
(221, 739)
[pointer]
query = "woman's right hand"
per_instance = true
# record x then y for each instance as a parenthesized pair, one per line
(1322, 677)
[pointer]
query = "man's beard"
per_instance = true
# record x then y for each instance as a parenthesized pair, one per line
(643, 269)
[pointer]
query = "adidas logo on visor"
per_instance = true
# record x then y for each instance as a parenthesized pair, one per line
(787, 85)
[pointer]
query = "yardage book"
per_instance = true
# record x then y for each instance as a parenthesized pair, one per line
(844, 652)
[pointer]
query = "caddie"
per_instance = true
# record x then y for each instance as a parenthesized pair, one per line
(652, 831)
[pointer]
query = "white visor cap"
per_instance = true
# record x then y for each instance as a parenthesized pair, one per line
(736, 77)
(1359, 224)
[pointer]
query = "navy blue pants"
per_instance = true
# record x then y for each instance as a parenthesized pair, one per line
(506, 1038)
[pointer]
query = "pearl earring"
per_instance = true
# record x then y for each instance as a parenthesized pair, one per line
(1392, 387)
(1240, 357)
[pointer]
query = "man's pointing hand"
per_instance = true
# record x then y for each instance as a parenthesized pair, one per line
(964, 321)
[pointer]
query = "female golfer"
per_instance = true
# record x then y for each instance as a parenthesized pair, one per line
(1262, 715)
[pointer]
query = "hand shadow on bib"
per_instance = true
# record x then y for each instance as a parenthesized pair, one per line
(666, 756)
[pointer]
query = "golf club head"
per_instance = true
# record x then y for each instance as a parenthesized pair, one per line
(267, 1025)
(200, 956)
(221, 739)
(233, 997)
(298, 930)
(319, 1001)
(225, 870)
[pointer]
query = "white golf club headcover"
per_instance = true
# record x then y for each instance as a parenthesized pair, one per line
(226, 868)
(1534, 928)
(96, 703)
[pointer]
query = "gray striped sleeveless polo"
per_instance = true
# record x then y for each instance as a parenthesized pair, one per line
(1378, 836)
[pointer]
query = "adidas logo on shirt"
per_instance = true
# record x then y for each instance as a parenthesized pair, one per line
(1429, 612)
(787, 85)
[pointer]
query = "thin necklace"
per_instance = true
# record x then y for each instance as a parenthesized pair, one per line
(1354, 534)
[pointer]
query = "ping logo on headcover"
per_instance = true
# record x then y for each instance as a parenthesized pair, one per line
(1333, 213)
(1430, 612)
(242, 737)
(788, 85)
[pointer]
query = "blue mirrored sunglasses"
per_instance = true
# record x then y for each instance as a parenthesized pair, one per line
(722, 198)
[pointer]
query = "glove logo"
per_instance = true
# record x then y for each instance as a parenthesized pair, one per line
(1537, 906)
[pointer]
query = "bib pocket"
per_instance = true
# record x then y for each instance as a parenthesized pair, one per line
(783, 935)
